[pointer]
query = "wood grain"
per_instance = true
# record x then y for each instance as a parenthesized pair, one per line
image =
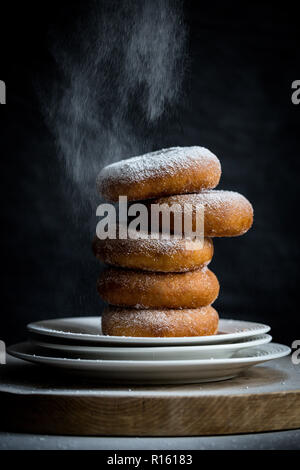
(266, 398)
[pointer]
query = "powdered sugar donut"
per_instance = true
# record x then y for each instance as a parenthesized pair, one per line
(226, 213)
(138, 289)
(164, 323)
(154, 255)
(175, 170)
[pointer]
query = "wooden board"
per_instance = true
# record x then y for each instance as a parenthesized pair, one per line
(38, 400)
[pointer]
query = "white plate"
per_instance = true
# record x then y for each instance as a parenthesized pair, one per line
(157, 372)
(150, 353)
(83, 329)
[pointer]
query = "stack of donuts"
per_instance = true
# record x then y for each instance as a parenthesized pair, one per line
(162, 287)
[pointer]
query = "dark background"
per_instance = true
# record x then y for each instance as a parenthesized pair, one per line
(237, 102)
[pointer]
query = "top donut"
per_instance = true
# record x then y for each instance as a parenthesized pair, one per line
(177, 170)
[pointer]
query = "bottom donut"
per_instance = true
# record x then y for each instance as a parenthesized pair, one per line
(202, 321)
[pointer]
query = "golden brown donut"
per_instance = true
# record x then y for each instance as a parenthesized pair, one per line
(226, 213)
(164, 323)
(138, 289)
(176, 170)
(154, 255)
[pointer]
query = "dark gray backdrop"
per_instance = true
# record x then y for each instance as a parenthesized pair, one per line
(237, 102)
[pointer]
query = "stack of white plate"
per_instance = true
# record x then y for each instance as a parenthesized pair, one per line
(78, 345)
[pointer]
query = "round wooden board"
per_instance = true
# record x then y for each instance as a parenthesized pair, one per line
(37, 400)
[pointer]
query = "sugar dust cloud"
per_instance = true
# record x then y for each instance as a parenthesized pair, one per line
(122, 70)
(119, 77)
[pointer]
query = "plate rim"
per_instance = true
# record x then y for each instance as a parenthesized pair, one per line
(148, 363)
(32, 328)
(263, 338)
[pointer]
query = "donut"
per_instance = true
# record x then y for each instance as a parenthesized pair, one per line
(226, 213)
(154, 255)
(164, 323)
(139, 289)
(176, 170)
